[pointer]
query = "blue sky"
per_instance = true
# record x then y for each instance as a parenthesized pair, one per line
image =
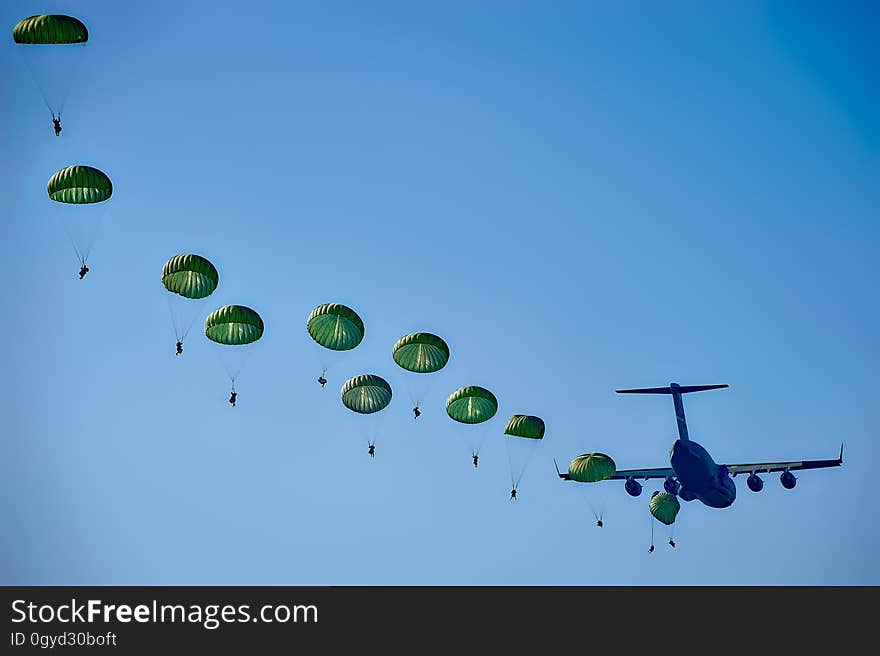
(578, 197)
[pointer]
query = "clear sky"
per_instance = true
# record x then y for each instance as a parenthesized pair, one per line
(577, 196)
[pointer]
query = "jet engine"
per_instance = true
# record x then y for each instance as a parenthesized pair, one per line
(788, 480)
(755, 483)
(632, 487)
(671, 485)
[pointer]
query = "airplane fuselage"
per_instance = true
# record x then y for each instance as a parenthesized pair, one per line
(700, 477)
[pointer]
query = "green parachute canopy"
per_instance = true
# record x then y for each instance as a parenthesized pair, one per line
(366, 394)
(50, 29)
(591, 468)
(336, 327)
(80, 185)
(234, 325)
(421, 353)
(525, 426)
(190, 276)
(471, 405)
(664, 507)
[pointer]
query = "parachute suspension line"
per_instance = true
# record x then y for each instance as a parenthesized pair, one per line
(484, 432)
(36, 78)
(326, 359)
(421, 387)
(199, 305)
(476, 449)
(370, 426)
(513, 480)
(526, 464)
(82, 255)
(378, 425)
(531, 455)
(232, 369)
(87, 249)
(77, 63)
(46, 101)
(71, 68)
(370, 434)
(188, 328)
(69, 234)
(519, 478)
(177, 334)
(244, 358)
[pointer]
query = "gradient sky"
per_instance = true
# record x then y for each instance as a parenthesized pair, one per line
(578, 196)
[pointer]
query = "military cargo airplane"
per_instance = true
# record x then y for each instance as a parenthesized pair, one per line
(694, 474)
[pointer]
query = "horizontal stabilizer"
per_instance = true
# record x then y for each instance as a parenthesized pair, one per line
(673, 388)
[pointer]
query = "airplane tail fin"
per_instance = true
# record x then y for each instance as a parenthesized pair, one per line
(673, 388)
(675, 391)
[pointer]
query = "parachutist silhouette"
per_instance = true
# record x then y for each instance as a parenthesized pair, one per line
(83, 270)
(599, 523)
(232, 397)
(671, 543)
(372, 450)
(651, 550)
(476, 460)
(179, 347)
(513, 494)
(57, 124)
(322, 380)
(416, 412)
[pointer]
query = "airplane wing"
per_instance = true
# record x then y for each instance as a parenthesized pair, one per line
(623, 474)
(769, 467)
(643, 474)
